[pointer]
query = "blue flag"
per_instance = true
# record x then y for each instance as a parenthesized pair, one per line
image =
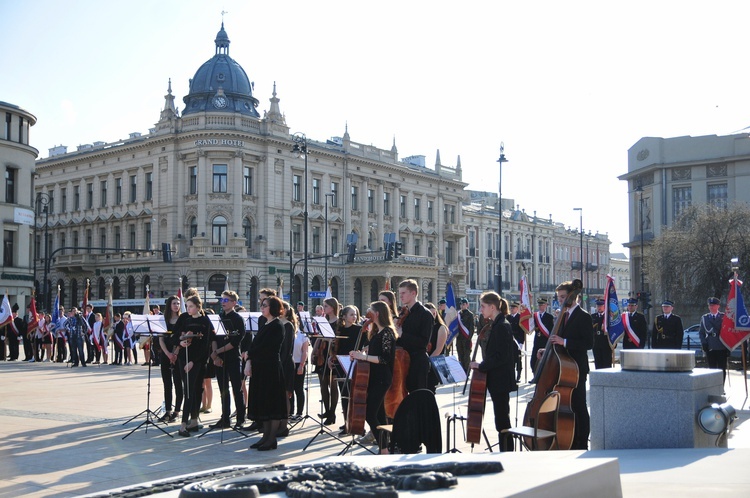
(613, 320)
(451, 311)
(56, 310)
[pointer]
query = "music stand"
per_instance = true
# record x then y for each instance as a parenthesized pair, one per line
(153, 326)
(220, 330)
(306, 324)
(348, 365)
(320, 324)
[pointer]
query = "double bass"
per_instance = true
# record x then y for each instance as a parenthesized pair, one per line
(357, 409)
(477, 396)
(397, 392)
(556, 371)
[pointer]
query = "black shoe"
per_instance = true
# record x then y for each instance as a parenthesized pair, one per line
(185, 433)
(342, 428)
(283, 433)
(74, 365)
(255, 426)
(195, 428)
(221, 424)
(343, 432)
(330, 420)
(267, 447)
(174, 416)
(256, 445)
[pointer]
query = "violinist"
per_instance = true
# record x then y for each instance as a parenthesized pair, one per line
(389, 298)
(436, 345)
(322, 347)
(414, 331)
(196, 333)
(499, 361)
(348, 331)
(576, 335)
(380, 354)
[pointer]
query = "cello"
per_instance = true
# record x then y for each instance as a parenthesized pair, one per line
(477, 396)
(556, 371)
(357, 409)
(397, 392)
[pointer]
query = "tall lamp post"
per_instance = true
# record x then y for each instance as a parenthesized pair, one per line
(499, 276)
(326, 242)
(300, 147)
(42, 201)
(639, 189)
(580, 210)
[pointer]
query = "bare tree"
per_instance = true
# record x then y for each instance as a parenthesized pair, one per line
(690, 261)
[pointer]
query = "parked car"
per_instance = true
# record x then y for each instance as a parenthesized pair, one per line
(691, 339)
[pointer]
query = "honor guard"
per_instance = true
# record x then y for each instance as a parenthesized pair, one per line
(710, 329)
(636, 328)
(518, 334)
(602, 349)
(463, 343)
(543, 324)
(667, 332)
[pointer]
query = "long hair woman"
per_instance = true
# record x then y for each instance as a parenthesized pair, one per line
(170, 372)
(330, 394)
(348, 330)
(436, 345)
(389, 297)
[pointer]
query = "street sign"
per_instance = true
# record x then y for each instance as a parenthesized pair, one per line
(473, 292)
(316, 294)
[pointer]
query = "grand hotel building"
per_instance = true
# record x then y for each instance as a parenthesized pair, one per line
(220, 184)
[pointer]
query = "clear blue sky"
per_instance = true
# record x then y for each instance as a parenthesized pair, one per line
(567, 86)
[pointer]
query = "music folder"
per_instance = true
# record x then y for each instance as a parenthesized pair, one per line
(448, 368)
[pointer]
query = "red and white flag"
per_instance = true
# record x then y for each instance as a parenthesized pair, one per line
(526, 321)
(6, 315)
(108, 314)
(33, 316)
(735, 327)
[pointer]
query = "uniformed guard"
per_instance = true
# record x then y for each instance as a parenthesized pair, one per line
(602, 349)
(543, 324)
(463, 343)
(710, 329)
(636, 328)
(518, 334)
(667, 332)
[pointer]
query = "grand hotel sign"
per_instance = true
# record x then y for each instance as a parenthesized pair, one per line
(220, 142)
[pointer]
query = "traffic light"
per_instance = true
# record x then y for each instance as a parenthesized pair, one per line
(352, 252)
(645, 298)
(389, 246)
(397, 247)
(166, 252)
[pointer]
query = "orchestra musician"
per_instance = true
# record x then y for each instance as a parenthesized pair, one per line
(225, 354)
(170, 373)
(576, 335)
(414, 331)
(348, 331)
(380, 355)
(247, 340)
(321, 350)
(436, 345)
(499, 362)
(389, 298)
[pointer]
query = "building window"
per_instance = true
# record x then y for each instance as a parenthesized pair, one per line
(370, 200)
(247, 232)
(118, 191)
(149, 186)
(220, 179)
(193, 228)
(417, 215)
(132, 236)
(75, 241)
(717, 195)
(76, 198)
(449, 253)
(334, 241)
(355, 198)
(89, 196)
(219, 231)
(9, 240)
(681, 200)
(430, 211)
(316, 190)
(102, 239)
(8, 120)
(63, 200)
(247, 181)
(193, 180)
(10, 185)
(402, 207)
(20, 130)
(89, 240)
(103, 193)
(335, 192)
(316, 240)
(147, 234)
(133, 188)
(118, 238)
(417, 247)
(297, 188)
(386, 204)
(296, 237)
(430, 249)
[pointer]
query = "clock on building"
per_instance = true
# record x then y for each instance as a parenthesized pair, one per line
(220, 102)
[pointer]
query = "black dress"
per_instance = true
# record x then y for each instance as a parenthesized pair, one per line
(382, 345)
(287, 363)
(267, 388)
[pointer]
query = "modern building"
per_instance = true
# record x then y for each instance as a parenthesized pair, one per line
(17, 204)
(543, 250)
(220, 184)
(667, 175)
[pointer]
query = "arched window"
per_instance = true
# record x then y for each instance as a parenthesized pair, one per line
(193, 228)
(335, 287)
(358, 294)
(374, 289)
(216, 285)
(63, 293)
(316, 286)
(102, 288)
(116, 294)
(247, 232)
(219, 231)
(253, 297)
(131, 287)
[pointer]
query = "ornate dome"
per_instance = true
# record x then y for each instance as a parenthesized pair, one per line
(220, 84)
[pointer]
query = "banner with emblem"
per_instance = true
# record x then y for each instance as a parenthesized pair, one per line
(612, 324)
(735, 327)
(455, 326)
(526, 321)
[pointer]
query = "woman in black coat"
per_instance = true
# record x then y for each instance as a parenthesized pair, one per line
(267, 389)
(499, 361)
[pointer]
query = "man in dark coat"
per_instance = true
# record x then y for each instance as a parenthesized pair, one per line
(519, 335)
(602, 349)
(463, 343)
(715, 350)
(668, 331)
(414, 335)
(636, 328)
(543, 324)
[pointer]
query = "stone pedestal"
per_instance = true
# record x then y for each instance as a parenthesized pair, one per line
(635, 410)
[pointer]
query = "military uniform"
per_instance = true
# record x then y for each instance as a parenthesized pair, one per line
(543, 324)
(710, 330)
(602, 349)
(463, 343)
(640, 327)
(668, 331)
(520, 336)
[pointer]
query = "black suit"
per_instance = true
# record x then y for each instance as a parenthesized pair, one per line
(716, 352)
(520, 336)
(667, 332)
(540, 339)
(416, 331)
(602, 349)
(578, 332)
(640, 327)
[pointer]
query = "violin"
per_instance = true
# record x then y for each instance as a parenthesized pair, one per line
(402, 314)
(188, 338)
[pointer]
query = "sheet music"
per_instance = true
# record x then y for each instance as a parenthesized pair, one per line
(448, 369)
(322, 325)
(251, 320)
(306, 321)
(217, 323)
(141, 324)
(345, 363)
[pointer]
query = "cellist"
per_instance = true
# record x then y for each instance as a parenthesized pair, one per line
(414, 334)
(576, 335)
(380, 354)
(499, 361)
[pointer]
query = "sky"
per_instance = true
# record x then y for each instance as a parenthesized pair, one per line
(567, 87)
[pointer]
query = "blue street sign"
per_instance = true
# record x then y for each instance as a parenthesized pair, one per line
(286, 297)
(316, 294)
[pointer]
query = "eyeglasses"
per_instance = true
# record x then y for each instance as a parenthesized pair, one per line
(264, 306)
(225, 300)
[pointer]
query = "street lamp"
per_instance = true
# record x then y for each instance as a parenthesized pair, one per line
(639, 189)
(42, 201)
(580, 210)
(326, 242)
(300, 148)
(499, 276)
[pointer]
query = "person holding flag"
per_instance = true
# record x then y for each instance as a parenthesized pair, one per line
(710, 335)
(6, 320)
(543, 324)
(602, 349)
(32, 329)
(636, 327)
(463, 341)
